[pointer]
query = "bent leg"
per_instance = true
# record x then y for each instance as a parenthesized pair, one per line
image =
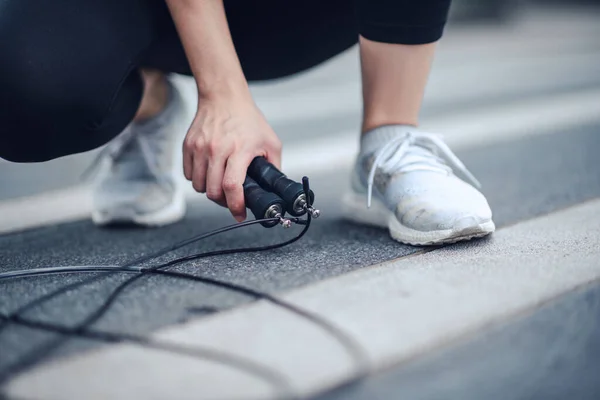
(409, 177)
(68, 76)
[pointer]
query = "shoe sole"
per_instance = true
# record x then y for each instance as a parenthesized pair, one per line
(354, 209)
(173, 212)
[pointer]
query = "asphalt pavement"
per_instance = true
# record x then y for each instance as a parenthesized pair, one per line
(562, 347)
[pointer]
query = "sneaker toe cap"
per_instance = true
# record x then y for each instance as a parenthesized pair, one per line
(137, 199)
(442, 212)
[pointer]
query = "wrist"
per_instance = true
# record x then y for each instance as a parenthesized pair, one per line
(223, 89)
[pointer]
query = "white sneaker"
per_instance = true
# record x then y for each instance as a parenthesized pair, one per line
(138, 182)
(403, 180)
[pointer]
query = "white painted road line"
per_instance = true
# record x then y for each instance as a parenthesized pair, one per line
(474, 128)
(448, 84)
(49, 208)
(396, 310)
(469, 129)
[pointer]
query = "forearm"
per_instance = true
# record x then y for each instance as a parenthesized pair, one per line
(203, 29)
(228, 130)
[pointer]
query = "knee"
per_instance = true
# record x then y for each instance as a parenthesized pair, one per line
(39, 98)
(34, 73)
(35, 103)
(55, 94)
(45, 115)
(38, 81)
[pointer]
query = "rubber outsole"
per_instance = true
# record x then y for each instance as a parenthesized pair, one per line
(354, 209)
(173, 212)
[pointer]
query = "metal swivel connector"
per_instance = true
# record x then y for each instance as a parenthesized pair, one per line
(275, 211)
(300, 207)
(314, 212)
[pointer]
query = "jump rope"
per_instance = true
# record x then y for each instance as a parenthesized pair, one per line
(269, 194)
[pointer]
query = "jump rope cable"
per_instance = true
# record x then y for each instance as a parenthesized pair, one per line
(127, 267)
(83, 329)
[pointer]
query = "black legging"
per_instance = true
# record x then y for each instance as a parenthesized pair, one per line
(69, 69)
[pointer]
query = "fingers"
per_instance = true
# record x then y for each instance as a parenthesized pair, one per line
(193, 153)
(188, 161)
(200, 166)
(221, 143)
(233, 181)
(214, 180)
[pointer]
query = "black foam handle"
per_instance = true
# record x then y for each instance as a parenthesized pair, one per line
(272, 179)
(258, 200)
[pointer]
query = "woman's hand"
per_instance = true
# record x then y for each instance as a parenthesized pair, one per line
(229, 130)
(224, 138)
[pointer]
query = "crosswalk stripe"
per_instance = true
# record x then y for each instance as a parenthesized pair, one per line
(448, 84)
(472, 128)
(395, 311)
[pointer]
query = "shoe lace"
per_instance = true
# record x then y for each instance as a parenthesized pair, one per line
(426, 149)
(120, 146)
